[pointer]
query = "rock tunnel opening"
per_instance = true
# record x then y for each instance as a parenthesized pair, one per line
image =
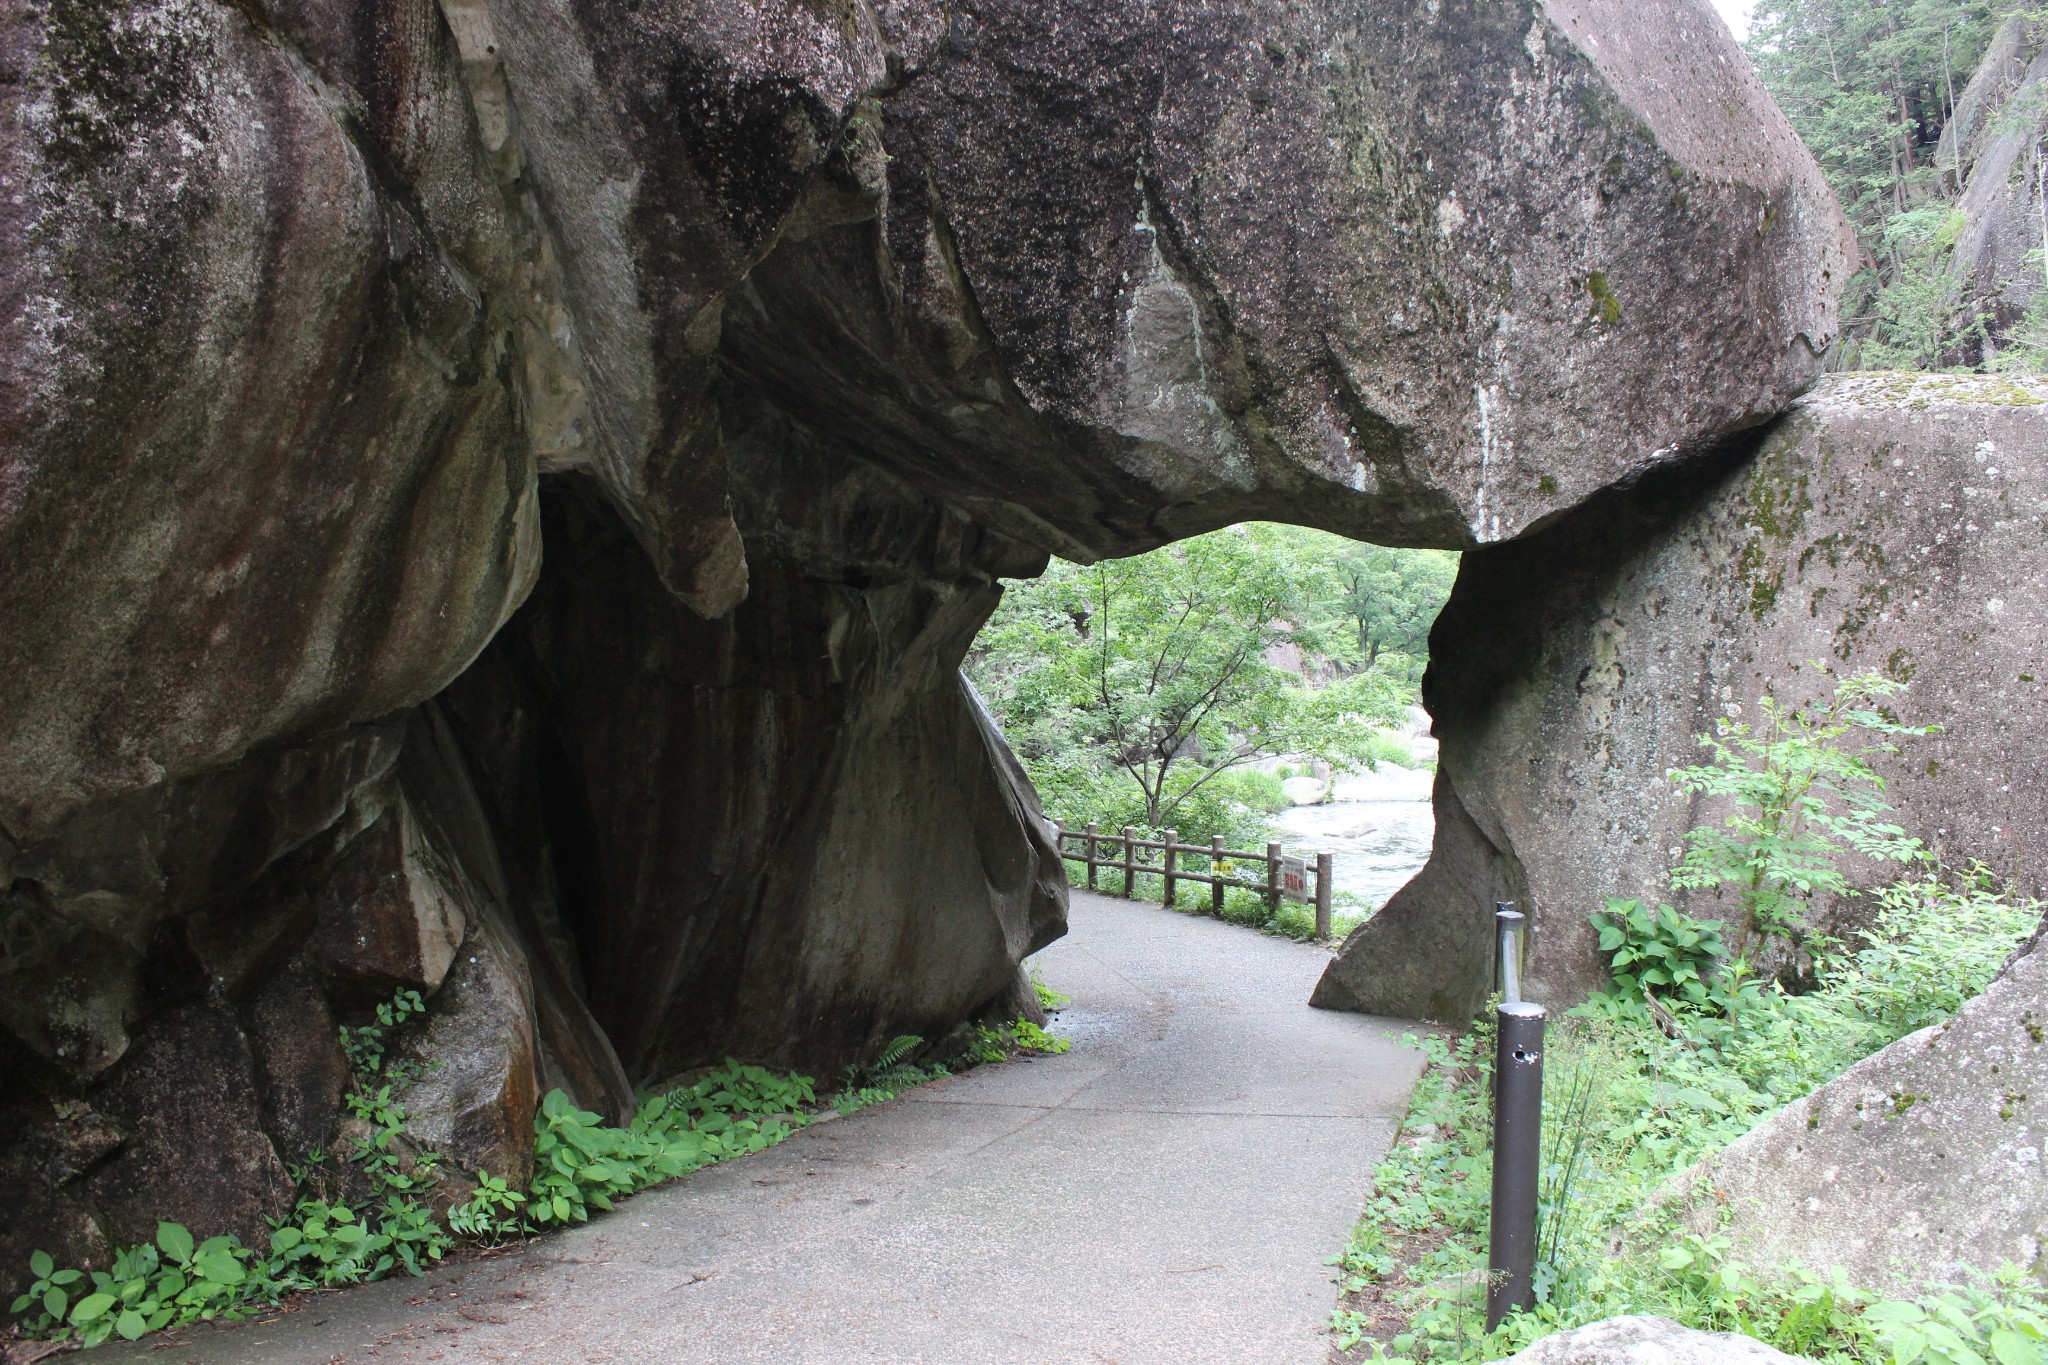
(1254, 684)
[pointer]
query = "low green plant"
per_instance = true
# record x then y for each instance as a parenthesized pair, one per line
(997, 1042)
(1660, 953)
(1665, 964)
(889, 1073)
(492, 1213)
(581, 1163)
(1049, 1000)
(328, 1244)
(149, 1287)
(365, 1043)
(1637, 1101)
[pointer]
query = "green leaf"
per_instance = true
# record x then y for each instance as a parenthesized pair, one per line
(40, 1264)
(130, 1324)
(55, 1301)
(92, 1307)
(221, 1267)
(175, 1241)
(2014, 1348)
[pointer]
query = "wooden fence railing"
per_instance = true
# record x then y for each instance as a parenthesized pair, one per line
(1280, 877)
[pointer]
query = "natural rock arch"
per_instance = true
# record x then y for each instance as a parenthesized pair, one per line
(494, 495)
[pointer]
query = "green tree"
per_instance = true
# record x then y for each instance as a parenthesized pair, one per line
(1169, 667)
(1869, 85)
(1387, 599)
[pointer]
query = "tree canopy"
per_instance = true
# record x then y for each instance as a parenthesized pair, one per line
(1870, 85)
(1175, 668)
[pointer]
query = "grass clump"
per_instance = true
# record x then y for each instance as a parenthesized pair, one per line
(581, 1163)
(1636, 1098)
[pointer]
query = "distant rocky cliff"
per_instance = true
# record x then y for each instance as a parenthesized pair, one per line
(1995, 150)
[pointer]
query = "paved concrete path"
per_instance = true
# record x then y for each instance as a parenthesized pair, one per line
(1167, 1191)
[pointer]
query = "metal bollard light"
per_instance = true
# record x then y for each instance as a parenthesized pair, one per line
(1513, 927)
(1517, 1147)
(1325, 867)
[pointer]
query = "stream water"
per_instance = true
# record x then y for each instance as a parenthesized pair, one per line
(1377, 825)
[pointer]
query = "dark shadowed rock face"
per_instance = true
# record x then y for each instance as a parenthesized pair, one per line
(1888, 523)
(715, 793)
(814, 321)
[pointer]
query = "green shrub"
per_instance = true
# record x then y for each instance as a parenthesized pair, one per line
(892, 1071)
(1632, 1106)
(581, 1163)
(995, 1043)
(1049, 1000)
(1385, 746)
(1804, 796)
(491, 1214)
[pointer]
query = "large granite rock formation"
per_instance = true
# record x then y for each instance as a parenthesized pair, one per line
(747, 345)
(1992, 150)
(1921, 1163)
(1889, 522)
(1974, 121)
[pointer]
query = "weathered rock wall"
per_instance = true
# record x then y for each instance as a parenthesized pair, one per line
(1888, 522)
(812, 323)
(2003, 227)
(1920, 1164)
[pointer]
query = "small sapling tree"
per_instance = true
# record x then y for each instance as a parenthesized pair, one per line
(1804, 795)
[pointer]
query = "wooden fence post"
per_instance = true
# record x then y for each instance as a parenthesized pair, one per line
(1166, 867)
(1323, 861)
(1216, 871)
(1093, 829)
(1272, 881)
(1130, 862)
